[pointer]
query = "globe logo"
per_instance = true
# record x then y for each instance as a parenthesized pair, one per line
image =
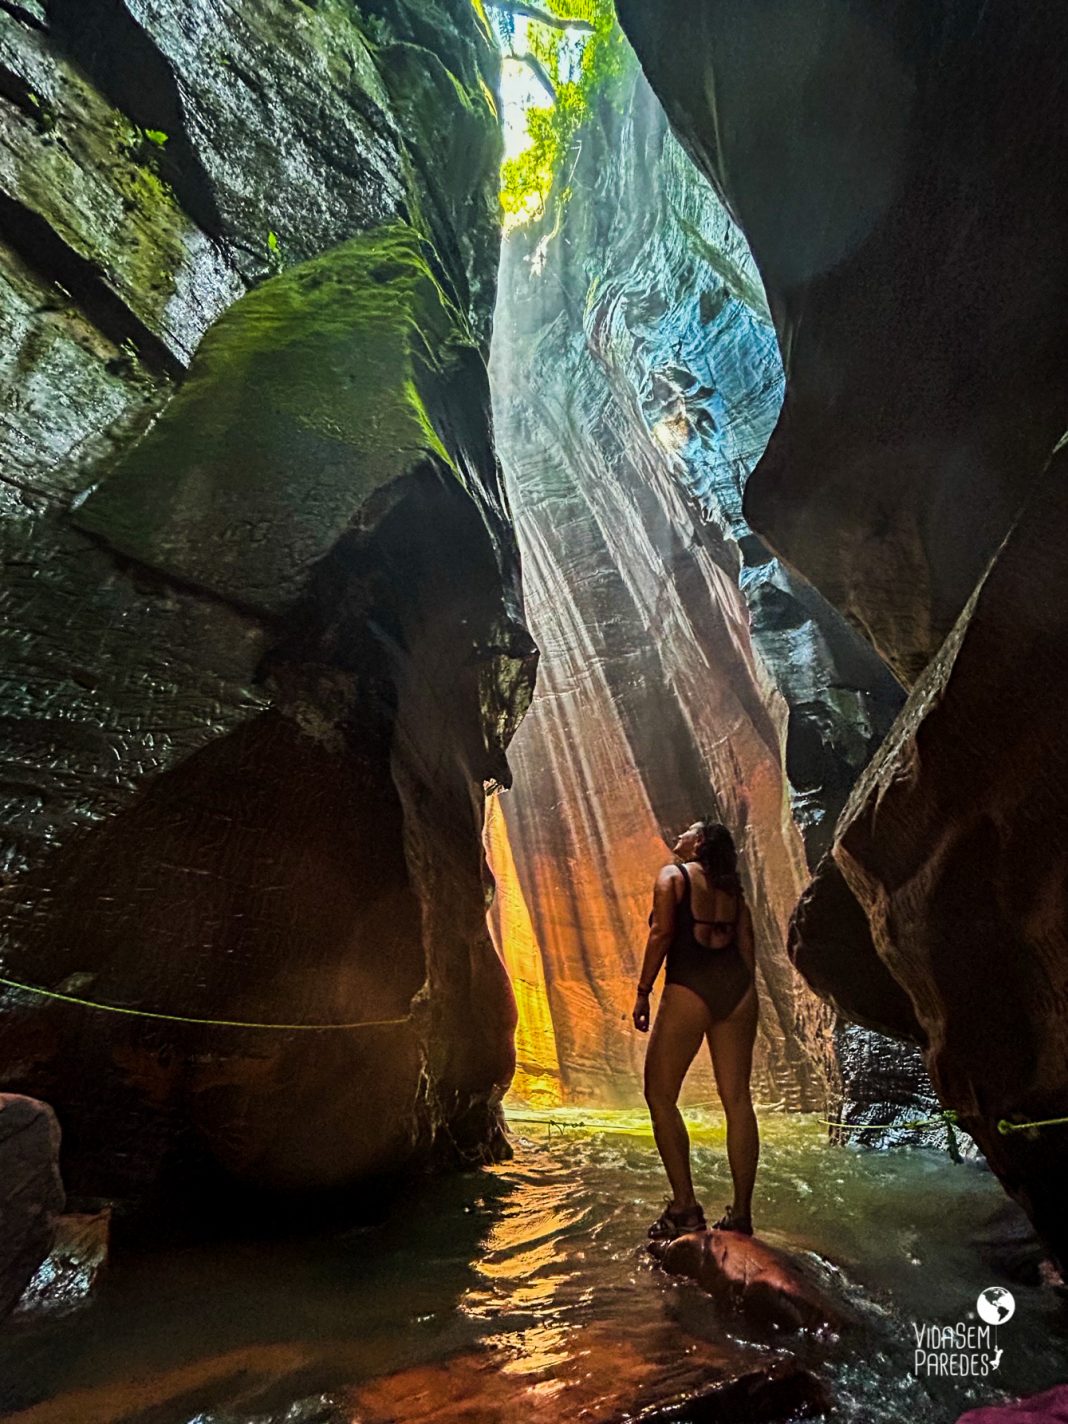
(995, 1305)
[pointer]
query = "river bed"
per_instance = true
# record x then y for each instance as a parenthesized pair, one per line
(523, 1292)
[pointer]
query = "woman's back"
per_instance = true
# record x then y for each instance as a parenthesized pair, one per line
(715, 910)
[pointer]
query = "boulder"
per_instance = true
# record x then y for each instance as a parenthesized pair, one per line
(262, 642)
(31, 1192)
(67, 1276)
(830, 943)
(759, 1281)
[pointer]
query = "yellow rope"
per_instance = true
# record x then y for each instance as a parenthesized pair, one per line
(950, 1118)
(1005, 1126)
(947, 1118)
(188, 1019)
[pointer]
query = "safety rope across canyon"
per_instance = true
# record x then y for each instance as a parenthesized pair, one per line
(190, 1019)
(948, 1117)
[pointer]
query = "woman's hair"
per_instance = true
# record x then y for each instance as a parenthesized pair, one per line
(718, 856)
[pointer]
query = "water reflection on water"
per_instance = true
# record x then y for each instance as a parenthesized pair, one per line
(523, 1292)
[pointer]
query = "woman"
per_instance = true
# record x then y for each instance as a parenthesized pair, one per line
(702, 926)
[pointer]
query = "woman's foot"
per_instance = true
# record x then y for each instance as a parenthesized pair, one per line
(734, 1221)
(674, 1222)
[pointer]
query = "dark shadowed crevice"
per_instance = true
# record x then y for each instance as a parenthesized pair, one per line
(107, 43)
(45, 252)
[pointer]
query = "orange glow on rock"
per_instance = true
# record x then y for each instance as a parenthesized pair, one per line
(537, 1075)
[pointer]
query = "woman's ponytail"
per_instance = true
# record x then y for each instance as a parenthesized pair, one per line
(718, 857)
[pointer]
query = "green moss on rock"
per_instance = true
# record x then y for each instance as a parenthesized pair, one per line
(307, 397)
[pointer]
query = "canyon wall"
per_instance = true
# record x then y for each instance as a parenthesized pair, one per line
(263, 633)
(918, 309)
(895, 168)
(636, 381)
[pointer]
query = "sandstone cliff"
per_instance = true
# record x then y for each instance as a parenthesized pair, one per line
(263, 635)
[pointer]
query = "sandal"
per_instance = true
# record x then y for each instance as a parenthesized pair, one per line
(670, 1224)
(729, 1222)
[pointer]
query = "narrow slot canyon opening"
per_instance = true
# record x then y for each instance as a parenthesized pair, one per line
(687, 670)
(454, 454)
(684, 670)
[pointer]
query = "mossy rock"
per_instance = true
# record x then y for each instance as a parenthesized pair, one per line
(306, 398)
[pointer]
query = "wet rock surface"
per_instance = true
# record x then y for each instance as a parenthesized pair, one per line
(249, 704)
(919, 321)
(909, 477)
(65, 1279)
(747, 1275)
(31, 1192)
(636, 382)
(982, 952)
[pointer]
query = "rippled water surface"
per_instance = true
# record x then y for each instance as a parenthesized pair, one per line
(523, 1292)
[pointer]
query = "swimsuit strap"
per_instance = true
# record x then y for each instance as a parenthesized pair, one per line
(718, 924)
(686, 890)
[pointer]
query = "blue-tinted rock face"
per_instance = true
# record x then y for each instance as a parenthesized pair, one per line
(911, 231)
(249, 702)
(637, 380)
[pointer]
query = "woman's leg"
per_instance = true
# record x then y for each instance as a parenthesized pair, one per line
(730, 1042)
(680, 1024)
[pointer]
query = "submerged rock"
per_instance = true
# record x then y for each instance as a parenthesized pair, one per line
(1008, 1243)
(606, 1381)
(67, 1276)
(31, 1192)
(747, 1275)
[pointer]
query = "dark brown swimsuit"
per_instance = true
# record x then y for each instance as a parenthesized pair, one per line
(718, 973)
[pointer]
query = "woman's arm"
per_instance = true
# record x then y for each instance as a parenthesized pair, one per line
(662, 927)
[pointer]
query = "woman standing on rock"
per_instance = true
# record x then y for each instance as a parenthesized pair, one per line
(702, 926)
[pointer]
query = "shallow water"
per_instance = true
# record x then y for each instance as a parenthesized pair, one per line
(531, 1280)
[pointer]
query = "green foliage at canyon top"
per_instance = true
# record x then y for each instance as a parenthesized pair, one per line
(544, 166)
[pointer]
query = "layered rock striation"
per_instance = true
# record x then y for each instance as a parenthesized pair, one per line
(918, 312)
(955, 843)
(262, 650)
(636, 381)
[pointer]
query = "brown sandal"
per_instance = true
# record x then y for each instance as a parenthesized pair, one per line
(729, 1222)
(670, 1224)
